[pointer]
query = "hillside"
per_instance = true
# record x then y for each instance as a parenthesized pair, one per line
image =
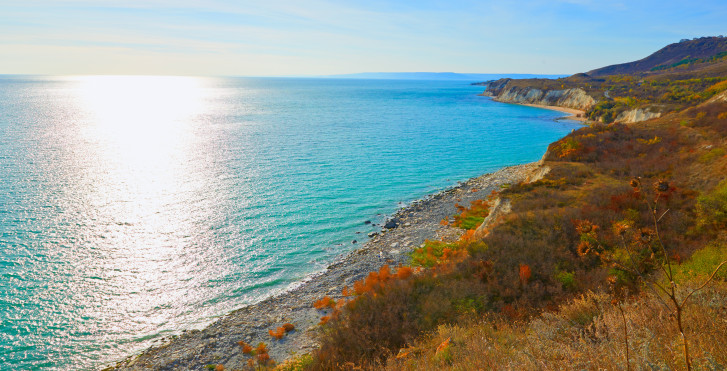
(588, 265)
(609, 253)
(674, 78)
(686, 54)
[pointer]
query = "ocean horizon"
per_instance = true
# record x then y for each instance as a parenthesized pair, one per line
(138, 207)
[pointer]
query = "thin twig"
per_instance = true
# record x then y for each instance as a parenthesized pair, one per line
(711, 277)
(662, 215)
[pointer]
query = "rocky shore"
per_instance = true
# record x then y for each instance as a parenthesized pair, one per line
(404, 231)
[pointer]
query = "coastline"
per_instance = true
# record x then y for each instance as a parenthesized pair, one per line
(574, 114)
(217, 343)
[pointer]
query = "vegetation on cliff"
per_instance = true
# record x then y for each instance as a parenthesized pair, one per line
(590, 269)
(674, 78)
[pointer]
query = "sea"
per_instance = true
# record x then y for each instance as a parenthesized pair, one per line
(135, 207)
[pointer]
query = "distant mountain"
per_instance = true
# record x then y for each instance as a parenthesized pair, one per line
(473, 77)
(686, 54)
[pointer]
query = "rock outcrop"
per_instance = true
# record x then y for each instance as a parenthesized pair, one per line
(502, 206)
(574, 98)
(636, 115)
(721, 97)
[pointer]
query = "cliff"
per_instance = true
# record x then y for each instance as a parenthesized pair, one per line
(678, 76)
(637, 115)
(574, 98)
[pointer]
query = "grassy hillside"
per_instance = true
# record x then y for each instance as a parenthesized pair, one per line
(546, 286)
(610, 261)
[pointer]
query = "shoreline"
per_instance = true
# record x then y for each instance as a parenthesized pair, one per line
(418, 221)
(575, 114)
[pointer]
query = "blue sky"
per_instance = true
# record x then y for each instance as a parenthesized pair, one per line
(313, 37)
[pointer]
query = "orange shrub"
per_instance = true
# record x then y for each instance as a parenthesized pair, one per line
(288, 327)
(524, 273)
(403, 273)
(278, 333)
(443, 345)
(359, 287)
(467, 236)
(261, 348)
(246, 348)
(384, 273)
(325, 302)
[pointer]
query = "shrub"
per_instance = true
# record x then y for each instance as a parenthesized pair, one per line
(713, 154)
(472, 217)
(567, 279)
(299, 363)
(712, 207)
(325, 302)
(432, 253)
(703, 262)
(277, 333)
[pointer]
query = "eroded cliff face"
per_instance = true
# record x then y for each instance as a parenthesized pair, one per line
(721, 97)
(576, 98)
(636, 115)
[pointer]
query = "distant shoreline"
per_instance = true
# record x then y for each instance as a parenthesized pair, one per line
(575, 114)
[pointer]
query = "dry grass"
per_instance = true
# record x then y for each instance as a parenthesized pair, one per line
(586, 333)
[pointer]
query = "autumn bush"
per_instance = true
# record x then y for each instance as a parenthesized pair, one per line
(258, 357)
(389, 309)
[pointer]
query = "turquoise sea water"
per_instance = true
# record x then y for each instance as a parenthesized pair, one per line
(134, 207)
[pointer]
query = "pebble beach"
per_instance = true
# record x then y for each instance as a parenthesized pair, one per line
(408, 229)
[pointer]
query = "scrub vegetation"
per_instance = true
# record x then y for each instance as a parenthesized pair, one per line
(610, 261)
(614, 260)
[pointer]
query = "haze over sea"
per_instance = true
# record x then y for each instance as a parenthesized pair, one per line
(135, 207)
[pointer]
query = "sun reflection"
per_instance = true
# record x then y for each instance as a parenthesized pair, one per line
(136, 164)
(144, 115)
(141, 124)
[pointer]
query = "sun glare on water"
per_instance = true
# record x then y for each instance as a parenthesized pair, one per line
(140, 190)
(142, 115)
(140, 131)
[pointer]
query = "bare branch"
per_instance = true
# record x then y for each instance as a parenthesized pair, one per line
(711, 277)
(662, 215)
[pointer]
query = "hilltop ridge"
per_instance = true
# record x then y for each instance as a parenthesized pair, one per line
(686, 53)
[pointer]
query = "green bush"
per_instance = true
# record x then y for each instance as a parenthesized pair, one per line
(567, 279)
(703, 262)
(711, 155)
(712, 207)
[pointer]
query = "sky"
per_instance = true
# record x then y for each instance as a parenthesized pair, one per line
(321, 37)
